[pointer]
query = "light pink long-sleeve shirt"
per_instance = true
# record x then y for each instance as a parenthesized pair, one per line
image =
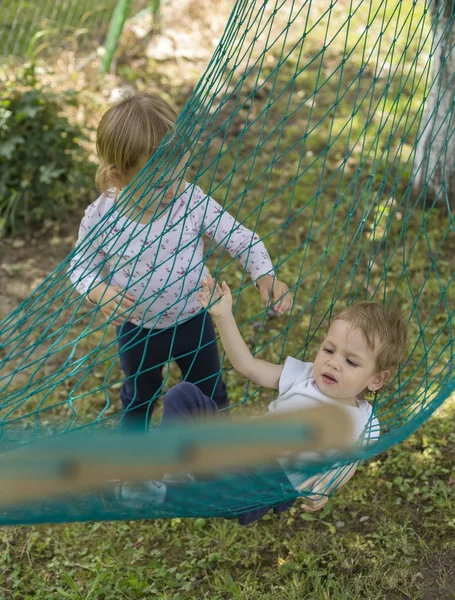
(161, 263)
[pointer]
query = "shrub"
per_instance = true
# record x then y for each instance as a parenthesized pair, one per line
(43, 167)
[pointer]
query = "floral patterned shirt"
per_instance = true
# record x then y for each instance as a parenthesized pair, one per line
(161, 263)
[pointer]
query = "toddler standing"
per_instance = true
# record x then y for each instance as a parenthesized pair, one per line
(144, 262)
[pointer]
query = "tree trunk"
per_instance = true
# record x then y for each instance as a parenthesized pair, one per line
(434, 166)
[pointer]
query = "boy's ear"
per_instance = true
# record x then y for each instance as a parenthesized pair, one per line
(378, 380)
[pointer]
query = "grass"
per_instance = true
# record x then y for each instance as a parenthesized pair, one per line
(389, 533)
(32, 28)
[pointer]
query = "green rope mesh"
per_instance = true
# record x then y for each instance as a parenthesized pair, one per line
(315, 150)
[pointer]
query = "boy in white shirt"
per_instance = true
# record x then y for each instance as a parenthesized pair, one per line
(363, 346)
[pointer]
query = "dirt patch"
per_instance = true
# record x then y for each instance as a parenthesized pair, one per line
(438, 577)
(435, 578)
(27, 259)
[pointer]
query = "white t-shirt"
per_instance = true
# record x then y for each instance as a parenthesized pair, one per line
(161, 263)
(298, 389)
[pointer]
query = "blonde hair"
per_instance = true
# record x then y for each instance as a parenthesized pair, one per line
(129, 133)
(379, 323)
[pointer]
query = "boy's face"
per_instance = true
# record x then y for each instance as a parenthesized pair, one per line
(344, 365)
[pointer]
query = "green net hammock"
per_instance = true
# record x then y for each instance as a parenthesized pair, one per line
(329, 132)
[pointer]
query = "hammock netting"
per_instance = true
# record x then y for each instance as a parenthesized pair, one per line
(318, 152)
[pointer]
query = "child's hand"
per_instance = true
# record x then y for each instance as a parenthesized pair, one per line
(275, 290)
(113, 300)
(218, 300)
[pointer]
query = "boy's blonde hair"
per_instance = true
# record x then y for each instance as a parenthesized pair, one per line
(379, 323)
(129, 133)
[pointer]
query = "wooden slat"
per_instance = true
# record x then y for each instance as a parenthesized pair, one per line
(76, 464)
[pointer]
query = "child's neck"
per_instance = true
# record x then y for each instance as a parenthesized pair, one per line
(344, 401)
(347, 401)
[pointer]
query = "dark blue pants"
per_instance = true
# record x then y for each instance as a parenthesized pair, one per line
(185, 402)
(143, 352)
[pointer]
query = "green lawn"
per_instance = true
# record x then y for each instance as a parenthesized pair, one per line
(389, 534)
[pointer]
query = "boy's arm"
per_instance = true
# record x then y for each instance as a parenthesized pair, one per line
(256, 370)
(219, 302)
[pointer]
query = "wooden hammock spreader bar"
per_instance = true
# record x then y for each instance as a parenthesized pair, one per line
(75, 463)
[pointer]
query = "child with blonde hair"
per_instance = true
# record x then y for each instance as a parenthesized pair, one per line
(143, 263)
(362, 348)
